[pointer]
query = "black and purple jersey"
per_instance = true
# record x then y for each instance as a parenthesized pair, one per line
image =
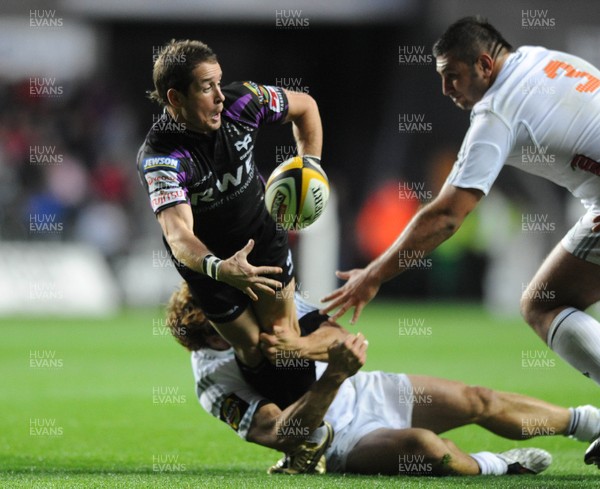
(214, 173)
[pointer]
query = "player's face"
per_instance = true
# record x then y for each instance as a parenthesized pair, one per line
(201, 107)
(465, 84)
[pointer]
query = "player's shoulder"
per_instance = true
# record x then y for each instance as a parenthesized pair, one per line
(153, 158)
(530, 50)
(160, 138)
(252, 95)
(553, 59)
(162, 148)
(217, 367)
(259, 92)
(209, 360)
(525, 60)
(517, 67)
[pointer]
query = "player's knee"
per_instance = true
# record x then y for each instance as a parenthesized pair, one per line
(538, 314)
(426, 444)
(450, 444)
(482, 402)
(527, 308)
(425, 453)
(533, 311)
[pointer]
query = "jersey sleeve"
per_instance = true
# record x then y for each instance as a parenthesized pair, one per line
(163, 178)
(483, 153)
(223, 393)
(255, 104)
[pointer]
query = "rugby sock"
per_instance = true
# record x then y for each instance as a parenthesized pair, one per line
(489, 463)
(318, 435)
(584, 424)
(575, 336)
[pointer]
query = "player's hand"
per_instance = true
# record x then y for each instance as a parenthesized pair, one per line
(596, 226)
(237, 272)
(356, 293)
(348, 356)
(282, 339)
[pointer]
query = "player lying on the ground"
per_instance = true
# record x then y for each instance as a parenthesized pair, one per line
(383, 422)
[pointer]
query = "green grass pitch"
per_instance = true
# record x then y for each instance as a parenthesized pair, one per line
(110, 403)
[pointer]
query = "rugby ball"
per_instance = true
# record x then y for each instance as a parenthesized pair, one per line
(296, 193)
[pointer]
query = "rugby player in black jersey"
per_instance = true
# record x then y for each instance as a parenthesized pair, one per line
(197, 164)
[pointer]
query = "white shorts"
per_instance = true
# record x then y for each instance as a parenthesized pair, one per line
(383, 400)
(581, 242)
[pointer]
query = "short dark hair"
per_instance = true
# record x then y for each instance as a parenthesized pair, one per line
(174, 64)
(468, 37)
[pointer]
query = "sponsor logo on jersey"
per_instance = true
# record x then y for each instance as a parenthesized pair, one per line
(243, 143)
(160, 180)
(237, 182)
(275, 99)
(154, 179)
(232, 411)
(164, 197)
(255, 89)
(160, 162)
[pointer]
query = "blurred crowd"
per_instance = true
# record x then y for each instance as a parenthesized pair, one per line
(67, 154)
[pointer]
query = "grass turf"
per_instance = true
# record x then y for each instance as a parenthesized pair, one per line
(111, 403)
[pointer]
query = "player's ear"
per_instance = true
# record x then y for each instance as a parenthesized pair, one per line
(486, 63)
(174, 98)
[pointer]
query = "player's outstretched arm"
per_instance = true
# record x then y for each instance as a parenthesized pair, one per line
(314, 346)
(177, 224)
(429, 228)
(303, 112)
(345, 359)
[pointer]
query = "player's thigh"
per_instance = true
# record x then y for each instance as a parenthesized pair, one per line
(242, 332)
(278, 309)
(227, 308)
(440, 405)
(562, 280)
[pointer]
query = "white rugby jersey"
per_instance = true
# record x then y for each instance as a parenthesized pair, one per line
(542, 115)
(223, 392)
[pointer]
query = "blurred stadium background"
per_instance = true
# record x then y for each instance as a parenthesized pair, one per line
(76, 231)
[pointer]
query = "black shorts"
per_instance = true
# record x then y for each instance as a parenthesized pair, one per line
(280, 384)
(223, 303)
